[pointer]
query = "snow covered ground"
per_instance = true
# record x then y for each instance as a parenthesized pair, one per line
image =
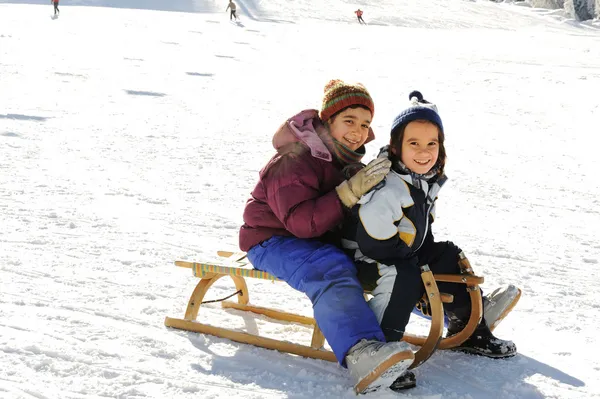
(131, 138)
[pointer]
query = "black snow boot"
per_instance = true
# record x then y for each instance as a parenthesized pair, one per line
(405, 381)
(482, 342)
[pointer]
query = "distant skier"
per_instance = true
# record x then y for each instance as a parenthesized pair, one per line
(232, 7)
(56, 10)
(359, 14)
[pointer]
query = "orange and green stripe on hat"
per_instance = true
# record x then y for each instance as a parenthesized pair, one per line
(339, 95)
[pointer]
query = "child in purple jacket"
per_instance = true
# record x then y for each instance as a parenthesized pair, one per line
(300, 199)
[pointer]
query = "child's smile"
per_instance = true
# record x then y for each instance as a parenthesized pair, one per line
(351, 127)
(420, 146)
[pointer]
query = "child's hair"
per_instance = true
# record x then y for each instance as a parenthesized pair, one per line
(332, 117)
(423, 111)
(398, 137)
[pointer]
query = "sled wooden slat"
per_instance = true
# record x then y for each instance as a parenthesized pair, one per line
(272, 313)
(245, 338)
(431, 342)
(458, 278)
(203, 269)
(237, 267)
(474, 319)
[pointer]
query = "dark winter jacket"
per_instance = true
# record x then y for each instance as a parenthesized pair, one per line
(295, 194)
(390, 225)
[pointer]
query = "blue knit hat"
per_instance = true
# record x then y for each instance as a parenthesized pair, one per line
(419, 109)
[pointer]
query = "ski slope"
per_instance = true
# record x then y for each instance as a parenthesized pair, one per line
(132, 132)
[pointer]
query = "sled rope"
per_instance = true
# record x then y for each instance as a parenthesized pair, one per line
(222, 299)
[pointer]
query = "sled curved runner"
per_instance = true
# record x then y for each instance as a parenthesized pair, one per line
(241, 268)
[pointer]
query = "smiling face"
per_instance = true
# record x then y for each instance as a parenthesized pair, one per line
(420, 146)
(351, 127)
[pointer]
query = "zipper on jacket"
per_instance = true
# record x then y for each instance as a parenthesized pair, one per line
(431, 202)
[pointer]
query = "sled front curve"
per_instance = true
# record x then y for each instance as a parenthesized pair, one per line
(209, 273)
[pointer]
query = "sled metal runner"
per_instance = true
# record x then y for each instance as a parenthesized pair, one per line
(238, 268)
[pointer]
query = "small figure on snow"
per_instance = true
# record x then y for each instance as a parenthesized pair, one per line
(301, 197)
(359, 14)
(390, 237)
(56, 10)
(232, 7)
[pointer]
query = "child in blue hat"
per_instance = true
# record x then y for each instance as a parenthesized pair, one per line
(389, 236)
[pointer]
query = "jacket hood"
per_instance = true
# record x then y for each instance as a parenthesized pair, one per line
(306, 127)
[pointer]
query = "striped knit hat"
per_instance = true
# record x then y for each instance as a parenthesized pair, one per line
(339, 95)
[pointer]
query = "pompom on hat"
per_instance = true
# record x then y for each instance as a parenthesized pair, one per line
(339, 95)
(418, 109)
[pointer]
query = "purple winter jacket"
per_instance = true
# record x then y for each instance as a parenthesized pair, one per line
(295, 194)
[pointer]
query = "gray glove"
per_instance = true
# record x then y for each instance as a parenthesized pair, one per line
(352, 189)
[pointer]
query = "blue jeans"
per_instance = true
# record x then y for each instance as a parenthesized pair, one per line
(328, 277)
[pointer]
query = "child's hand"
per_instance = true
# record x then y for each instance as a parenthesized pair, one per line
(352, 189)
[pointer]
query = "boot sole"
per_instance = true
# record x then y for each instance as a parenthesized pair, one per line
(404, 387)
(472, 351)
(401, 387)
(507, 310)
(386, 372)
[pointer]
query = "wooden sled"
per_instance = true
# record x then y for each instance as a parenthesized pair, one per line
(241, 268)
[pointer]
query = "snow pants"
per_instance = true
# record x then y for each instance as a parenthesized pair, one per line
(56, 7)
(397, 288)
(328, 277)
